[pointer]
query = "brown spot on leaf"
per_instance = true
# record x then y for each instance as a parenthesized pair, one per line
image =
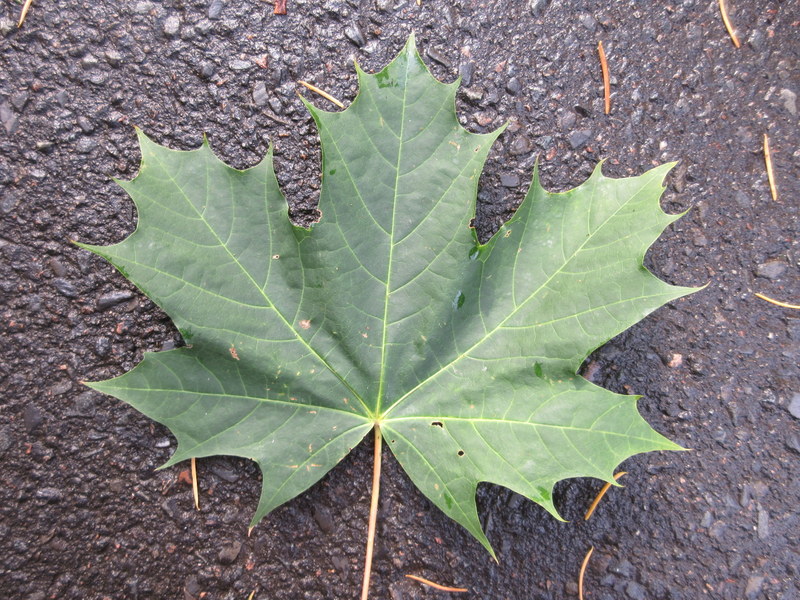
(305, 323)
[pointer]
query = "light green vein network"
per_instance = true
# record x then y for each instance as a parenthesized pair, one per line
(388, 310)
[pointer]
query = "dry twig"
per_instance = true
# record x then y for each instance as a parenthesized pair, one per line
(770, 175)
(778, 302)
(582, 571)
(437, 586)
(24, 12)
(325, 95)
(727, 22)
(606, 81)
(600, 495)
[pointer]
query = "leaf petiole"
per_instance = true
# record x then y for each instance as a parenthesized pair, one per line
(373, 511)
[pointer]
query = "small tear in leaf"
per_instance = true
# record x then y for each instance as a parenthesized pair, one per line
(458, 301)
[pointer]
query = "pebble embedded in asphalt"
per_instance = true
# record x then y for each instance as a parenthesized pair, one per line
(230, 553)
(772, 269)
(172, 25)
(794, 406)
(260, 95)
(215, 9)
(578, 139)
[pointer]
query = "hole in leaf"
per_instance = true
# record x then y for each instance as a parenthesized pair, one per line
(437, 424)
(461, 453)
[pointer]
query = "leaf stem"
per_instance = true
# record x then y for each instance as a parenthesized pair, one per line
(373, 511)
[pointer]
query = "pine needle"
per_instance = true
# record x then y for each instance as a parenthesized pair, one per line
(606, 81)
(582, 571)
(778, 302)
(770, 174)
(322, 93)
(24, 12)
(195, 491)
(437, 586)
(727, 22)
(600, 495)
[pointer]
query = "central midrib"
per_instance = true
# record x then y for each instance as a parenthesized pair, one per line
(382, 374)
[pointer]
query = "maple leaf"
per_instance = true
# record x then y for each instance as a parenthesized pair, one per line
(389, 314)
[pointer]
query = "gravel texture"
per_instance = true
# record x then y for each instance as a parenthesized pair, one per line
(83, 512)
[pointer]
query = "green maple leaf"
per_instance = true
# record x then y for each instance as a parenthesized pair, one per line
(389, 314)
